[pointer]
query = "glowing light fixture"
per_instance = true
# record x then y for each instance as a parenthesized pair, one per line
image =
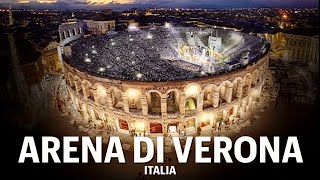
(102, 69)
(132, 27)
(206, 117)
(139, 75)
(149, 36)
(167, 25)
(192, 90)
(87, 60)
(139, 126)
(133, 93)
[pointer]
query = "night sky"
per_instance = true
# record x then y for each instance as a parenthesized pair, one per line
(162, 3)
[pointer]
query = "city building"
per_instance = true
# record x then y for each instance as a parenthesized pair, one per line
(50, 58)
(297, 48)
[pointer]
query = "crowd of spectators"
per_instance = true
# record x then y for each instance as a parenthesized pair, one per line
(144, 55)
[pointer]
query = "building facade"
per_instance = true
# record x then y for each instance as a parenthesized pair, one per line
(160, 108)
(99, 27)
(297, 48)
(50, 58)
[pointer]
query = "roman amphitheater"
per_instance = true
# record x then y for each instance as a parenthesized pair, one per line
(175, 81)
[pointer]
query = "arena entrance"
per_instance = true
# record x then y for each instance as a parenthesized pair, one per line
(190, 127)
(139, 128)
(123, 126)
(173, 129)
(191, 104)
(155, 128)
(205, 123)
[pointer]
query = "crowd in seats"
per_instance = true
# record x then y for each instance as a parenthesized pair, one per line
(144, 55)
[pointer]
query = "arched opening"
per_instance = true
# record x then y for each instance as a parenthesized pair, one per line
(123, 124)
(84, 111)
(154, 103)
(134, 100)
(191, 104)
(172, 102)
(189, 127)
(246, 86)
(139, 128)
(101, 95)
(254, 78)
(260, 75)
(71, 82)
(155, 128)
(68, 33)
(77, 83)
(90, 94)
(173, 128)
(236, 89)
(208, 97)
(223, 93)
(86, 88)
(116, 98)
(206, 120)
(192, 90)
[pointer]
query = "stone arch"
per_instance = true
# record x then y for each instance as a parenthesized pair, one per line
(71, 80)
(191, 104)
(75, 102)
(116, 97)
(84, 111)
(91, 113)
(154, 102)
(64, 34)
(247, 84)
(101, 95)
(74, 31)
(237, 87)
(206, 120)
(77, 83)
(225, 92)
(134, 100)
(68, 34)
(265, 66)
(66, 77)
(192, 90)
(208, 95)
(255, 76)
(86, 89)
(173, 101)
(260, 74)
